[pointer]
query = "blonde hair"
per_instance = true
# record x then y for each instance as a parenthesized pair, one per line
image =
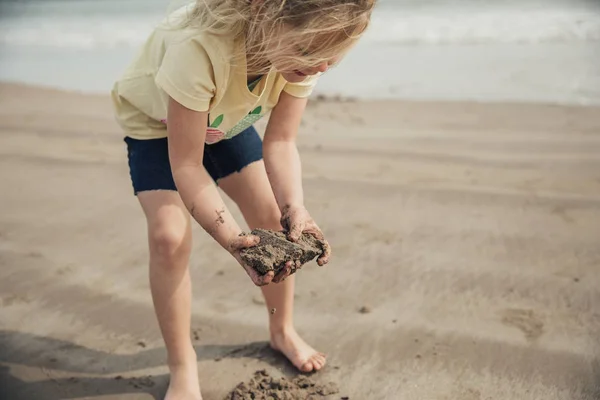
(294, 32)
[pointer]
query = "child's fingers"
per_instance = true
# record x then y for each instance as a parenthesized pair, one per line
(243, 242)
(295, 232)
(265, 279)
(294, 266)
(324, 258)
(284, 273)
(290, 268)
(257, 279)
(315, 231)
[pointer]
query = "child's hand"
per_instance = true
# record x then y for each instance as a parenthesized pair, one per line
(296, 220)
(239, 243)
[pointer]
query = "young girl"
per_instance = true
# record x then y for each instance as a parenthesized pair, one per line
(187, 104)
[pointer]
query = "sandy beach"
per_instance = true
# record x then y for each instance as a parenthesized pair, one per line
(466, 256)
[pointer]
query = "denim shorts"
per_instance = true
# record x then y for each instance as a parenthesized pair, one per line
(150, 168)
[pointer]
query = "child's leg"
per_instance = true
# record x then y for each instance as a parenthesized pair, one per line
(252, 192)
(170, 241)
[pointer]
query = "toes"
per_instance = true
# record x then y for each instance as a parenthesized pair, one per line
(315, 363)
(318, 361)
(307, 367)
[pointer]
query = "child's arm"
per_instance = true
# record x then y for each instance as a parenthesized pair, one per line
(283, 165)
(187, 132)
(280, 152)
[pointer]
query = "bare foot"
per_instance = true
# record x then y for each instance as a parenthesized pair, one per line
(184, 384)
(304, 357)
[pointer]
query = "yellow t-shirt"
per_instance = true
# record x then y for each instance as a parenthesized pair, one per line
(201, 72)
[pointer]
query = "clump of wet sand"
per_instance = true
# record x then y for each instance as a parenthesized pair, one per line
(275, 250)
(265, 387)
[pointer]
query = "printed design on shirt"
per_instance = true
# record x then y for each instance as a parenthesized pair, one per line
(214, 134)
(245, 123)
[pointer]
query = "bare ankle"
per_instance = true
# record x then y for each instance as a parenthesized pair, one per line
(182, 360)
(281, 330)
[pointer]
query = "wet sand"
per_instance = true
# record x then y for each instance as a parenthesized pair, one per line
(466, 251)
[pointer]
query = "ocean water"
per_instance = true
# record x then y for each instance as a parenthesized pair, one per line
(510, 50)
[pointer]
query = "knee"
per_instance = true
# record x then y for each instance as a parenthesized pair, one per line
(169, 245)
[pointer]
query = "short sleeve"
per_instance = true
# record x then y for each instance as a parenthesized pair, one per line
(302, 89)
(187, 75)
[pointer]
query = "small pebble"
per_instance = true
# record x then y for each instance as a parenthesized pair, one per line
(365, 310)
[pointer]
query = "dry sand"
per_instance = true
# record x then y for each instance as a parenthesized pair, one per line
(478, 279)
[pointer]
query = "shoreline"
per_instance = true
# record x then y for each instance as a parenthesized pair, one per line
(316, 97)
(553, 73)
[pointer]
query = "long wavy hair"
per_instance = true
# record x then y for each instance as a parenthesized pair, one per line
(289, 33)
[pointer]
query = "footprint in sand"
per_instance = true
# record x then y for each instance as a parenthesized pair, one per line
(141, 382)
(468, 394)
(563, 213)
(64, 270)
(13, 299)
(525, 320)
